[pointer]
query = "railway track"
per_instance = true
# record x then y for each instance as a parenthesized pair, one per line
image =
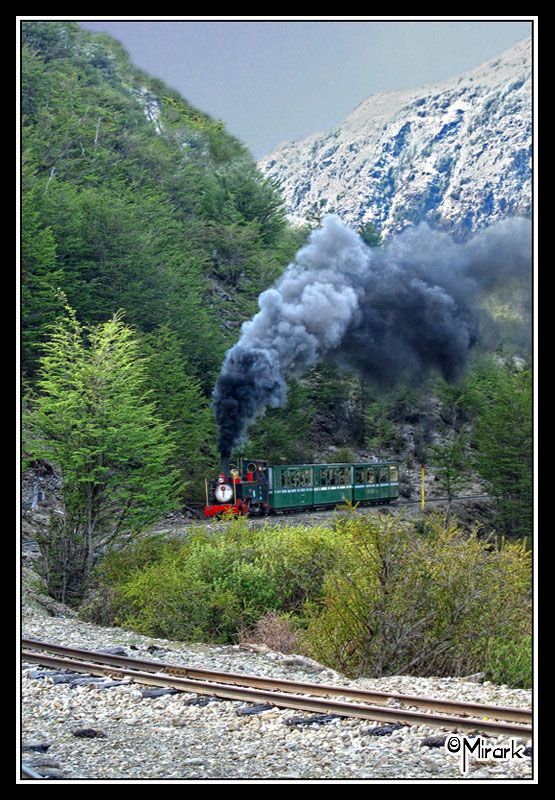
(445, 499)
(379, 706)
(395, 504)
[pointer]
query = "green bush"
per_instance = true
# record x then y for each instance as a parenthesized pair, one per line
(510, 661)
(119, 565)
(344, 456)
(211, 587)
(425, 602)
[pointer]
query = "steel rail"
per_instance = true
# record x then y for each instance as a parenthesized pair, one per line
(446, 499)
(29, 772)
(507, 713)
(284, 700)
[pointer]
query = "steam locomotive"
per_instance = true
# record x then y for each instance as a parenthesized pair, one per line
(255, 488)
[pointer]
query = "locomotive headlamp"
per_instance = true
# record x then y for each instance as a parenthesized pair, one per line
(223, 492)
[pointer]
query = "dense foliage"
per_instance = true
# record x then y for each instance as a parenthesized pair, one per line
(179, 402)
(422, 599)
(133, 199)
(501, 400)
(211, 587)
(374, 595)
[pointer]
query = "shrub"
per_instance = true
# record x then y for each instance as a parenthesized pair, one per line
(276, 631)
(372, 595)
(427, 602)
(510, 661)
(297, 559)
(344, 456)
(211, 587)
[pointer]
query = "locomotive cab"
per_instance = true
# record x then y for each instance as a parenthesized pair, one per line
(240, 488)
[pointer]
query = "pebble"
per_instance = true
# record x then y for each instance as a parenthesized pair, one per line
(39, 747)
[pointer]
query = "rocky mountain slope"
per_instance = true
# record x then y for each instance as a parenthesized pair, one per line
(456, 154)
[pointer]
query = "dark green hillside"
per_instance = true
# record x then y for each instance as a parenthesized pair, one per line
(134, 199)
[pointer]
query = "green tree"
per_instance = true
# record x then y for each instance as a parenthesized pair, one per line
(451, 462)
(281, 435)
(180, 403)
(329, 388)
(501, 399)
(370, 234)
(381, 431)
(40, 278)
(316, 212)
(171, 221)
(95, 422)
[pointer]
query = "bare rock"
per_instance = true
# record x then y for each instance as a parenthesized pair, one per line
(89, 733)
(476, 677)
(36, 747)
(304, 663)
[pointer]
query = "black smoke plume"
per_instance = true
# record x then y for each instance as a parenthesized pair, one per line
(393, 313)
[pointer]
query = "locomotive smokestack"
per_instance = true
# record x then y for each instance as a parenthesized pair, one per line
(225, 466)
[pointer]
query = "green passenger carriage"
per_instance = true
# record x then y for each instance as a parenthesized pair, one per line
(306, 485)
(254, 487)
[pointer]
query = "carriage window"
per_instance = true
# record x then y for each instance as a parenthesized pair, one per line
(384, 475)
(394, 474)
(370, 476)
(284, 480)
(359, 475)
(331, 477)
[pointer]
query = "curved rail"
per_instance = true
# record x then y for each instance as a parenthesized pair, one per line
(368, 704)
(29, 772)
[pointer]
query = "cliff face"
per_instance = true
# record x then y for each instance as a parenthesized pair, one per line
(456, 154)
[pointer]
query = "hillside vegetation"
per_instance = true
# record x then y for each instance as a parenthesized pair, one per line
(147, 235)
(134, 199)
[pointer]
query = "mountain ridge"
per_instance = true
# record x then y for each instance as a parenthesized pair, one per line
(455, 154)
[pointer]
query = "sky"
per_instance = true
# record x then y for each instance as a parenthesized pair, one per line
(274, 81)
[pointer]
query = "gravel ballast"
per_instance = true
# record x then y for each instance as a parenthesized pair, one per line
(172, 737)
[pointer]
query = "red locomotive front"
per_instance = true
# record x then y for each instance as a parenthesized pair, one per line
(238, 489)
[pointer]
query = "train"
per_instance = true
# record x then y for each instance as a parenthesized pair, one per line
(256, 488)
